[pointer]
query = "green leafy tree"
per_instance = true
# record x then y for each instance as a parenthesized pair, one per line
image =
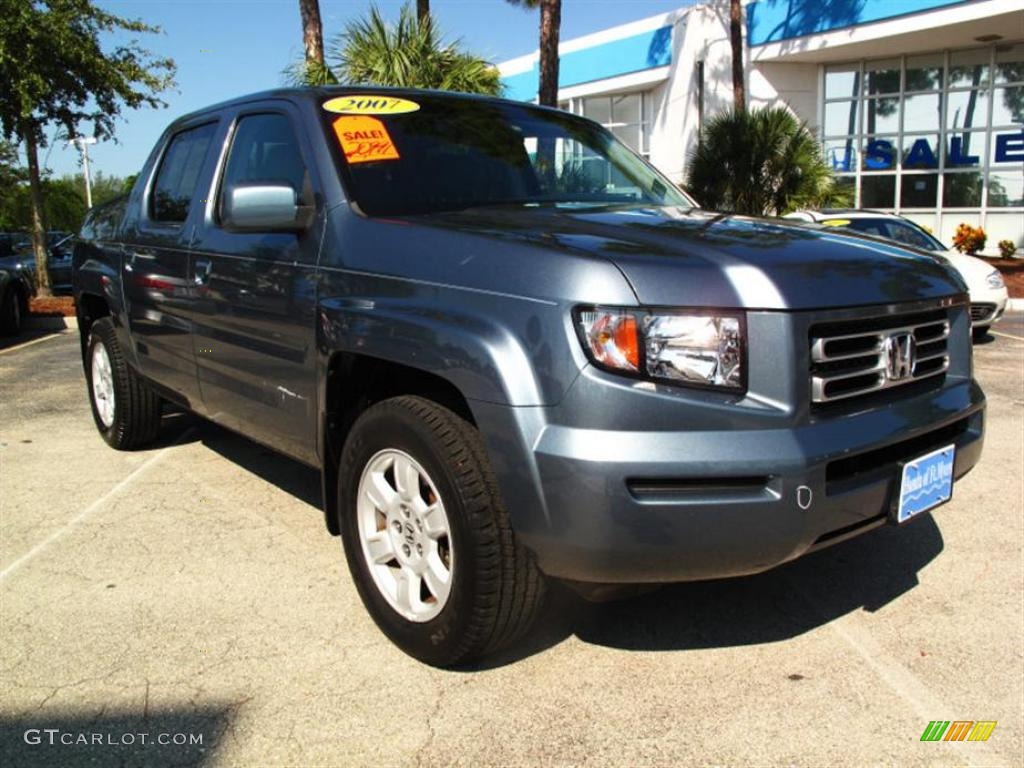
(12, 177)
(411, 53)
(550, 31)
(55, 71)
(63, 205)
(104, 187)
(760, 163)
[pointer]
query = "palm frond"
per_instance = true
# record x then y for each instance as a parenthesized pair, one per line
(760, 162)
(411, 53)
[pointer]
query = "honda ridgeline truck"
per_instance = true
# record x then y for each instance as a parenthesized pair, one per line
(516, 352)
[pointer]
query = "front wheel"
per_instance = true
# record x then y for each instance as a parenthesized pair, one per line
(979, 333)
(427, 538)
(126, 410)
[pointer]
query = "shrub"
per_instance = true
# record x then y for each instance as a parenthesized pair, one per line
(969, 239)
(762, 162)
(1007, 249)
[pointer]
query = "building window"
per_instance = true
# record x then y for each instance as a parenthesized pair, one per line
(627, 115)
(938, 136)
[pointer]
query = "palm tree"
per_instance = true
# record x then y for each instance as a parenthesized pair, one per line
(314, 71)
(411, 53)
(550, 27)
(422, 9)
(739, 97)
(760, 163)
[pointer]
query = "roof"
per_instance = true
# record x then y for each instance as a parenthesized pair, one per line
(321, 93)
(854, 213)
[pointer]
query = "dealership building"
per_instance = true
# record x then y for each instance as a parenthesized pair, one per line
(919, 104)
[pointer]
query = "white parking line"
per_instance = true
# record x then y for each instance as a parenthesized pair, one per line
(1007, 335)
(24, 344)
(152, 461)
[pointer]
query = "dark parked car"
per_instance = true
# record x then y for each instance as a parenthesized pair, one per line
(517, 352)
(15, 291)
(59, 246)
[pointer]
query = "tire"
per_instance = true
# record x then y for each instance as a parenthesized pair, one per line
(979, 333)
(124, 407)
(11, 312)
(494, 588)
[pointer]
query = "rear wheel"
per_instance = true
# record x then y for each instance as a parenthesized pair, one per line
(10, 312)
(124, 407)
(427, 538)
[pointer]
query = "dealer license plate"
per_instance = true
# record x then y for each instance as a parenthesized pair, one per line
(926, 483)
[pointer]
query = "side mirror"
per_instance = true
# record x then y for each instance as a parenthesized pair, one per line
(263, 208)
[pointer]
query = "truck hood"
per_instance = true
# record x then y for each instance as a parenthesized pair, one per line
(688, 257)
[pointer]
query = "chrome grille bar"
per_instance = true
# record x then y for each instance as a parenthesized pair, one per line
(854, 364)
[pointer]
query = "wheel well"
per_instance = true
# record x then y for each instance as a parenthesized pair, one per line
(354, 383)
(89, 308)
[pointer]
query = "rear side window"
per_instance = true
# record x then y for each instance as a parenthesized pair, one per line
(869, 227)
(178, 176)
(904, 233)
(265, 150)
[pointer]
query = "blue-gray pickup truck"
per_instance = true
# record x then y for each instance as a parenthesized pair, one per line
(516, 352)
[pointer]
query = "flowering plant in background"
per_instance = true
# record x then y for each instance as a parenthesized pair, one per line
(1007, 249)
(969, 239)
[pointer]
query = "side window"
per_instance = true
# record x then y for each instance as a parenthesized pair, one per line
(178, 176)
(869, 227)
(264, 149)
(905, 234)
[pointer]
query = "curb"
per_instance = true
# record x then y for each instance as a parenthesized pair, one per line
(49, 323)
(1015, 305)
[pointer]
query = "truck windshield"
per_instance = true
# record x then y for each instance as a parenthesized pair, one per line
(452, 154)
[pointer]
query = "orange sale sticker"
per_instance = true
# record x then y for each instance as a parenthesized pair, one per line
(364, 139)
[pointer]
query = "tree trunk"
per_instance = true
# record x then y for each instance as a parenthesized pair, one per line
(422, 9)
(312, 31)
(550, 23)
(38, 222)
(739, 97)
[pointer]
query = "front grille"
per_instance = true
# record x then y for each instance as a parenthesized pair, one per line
(981, 312)
(856, 357)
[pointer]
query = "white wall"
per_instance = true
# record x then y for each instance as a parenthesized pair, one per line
(702, 33)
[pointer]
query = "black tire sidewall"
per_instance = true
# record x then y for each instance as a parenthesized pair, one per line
(443, 640)
(102, 332)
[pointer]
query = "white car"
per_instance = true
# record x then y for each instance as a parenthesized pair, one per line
(984, 283)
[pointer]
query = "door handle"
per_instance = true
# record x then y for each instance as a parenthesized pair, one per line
(203, 268)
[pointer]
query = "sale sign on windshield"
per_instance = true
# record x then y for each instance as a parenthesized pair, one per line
(364, 139)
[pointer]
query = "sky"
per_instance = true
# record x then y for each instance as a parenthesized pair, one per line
(226, 48)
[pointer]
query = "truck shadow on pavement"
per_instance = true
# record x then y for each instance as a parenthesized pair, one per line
(78, 738)
(865, 573)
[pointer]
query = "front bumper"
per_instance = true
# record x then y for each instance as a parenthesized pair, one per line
(988, 306)
(637, 507)
(701, 487)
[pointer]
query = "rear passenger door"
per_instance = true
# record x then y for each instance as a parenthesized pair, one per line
(255, 310)
(157, 278)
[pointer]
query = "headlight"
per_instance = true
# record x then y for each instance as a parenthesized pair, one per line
(993, 279)
(686, 348)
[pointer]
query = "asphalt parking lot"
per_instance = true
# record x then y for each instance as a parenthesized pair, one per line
(192, 591)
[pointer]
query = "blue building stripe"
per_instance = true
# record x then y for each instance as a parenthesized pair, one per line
(636, 53)
(769, 21)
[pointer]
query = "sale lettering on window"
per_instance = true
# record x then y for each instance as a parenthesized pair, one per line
(364, 139)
